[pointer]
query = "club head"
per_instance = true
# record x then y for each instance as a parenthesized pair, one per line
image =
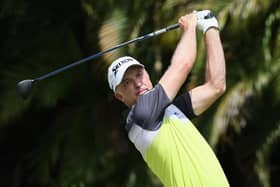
(24, 87)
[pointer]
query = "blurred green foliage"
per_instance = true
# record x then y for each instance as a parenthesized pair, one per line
(70, 132)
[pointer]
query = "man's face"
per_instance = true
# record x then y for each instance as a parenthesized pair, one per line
(136, 82)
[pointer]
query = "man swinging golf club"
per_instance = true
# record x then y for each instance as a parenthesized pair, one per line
(158, 122)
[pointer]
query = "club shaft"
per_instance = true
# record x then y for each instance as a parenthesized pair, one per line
(140, 38)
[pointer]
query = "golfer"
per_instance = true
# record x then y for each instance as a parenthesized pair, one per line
(158, 123)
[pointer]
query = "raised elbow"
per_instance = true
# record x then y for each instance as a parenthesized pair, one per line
(220, 89)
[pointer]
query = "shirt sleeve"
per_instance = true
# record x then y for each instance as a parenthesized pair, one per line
(149, 108)
(184, 103)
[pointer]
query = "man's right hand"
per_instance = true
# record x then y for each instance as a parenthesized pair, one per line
(188, 21)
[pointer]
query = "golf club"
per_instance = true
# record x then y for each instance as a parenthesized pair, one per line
(24, 87)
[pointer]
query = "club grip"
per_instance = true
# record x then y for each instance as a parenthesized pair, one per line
(175, 26)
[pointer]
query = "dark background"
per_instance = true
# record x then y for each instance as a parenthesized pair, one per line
(70, 133)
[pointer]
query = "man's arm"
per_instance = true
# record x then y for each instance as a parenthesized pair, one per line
(183, 57)
(215, 76)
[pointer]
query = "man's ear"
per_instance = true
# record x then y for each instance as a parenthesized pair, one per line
(118, 96)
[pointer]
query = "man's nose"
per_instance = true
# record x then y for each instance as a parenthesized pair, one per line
(138, 83)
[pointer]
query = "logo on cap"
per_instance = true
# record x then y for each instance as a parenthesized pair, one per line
(116, 67)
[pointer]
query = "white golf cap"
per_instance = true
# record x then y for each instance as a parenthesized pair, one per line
(118, 68)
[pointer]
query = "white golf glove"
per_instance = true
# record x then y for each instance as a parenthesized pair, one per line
(206, 23)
